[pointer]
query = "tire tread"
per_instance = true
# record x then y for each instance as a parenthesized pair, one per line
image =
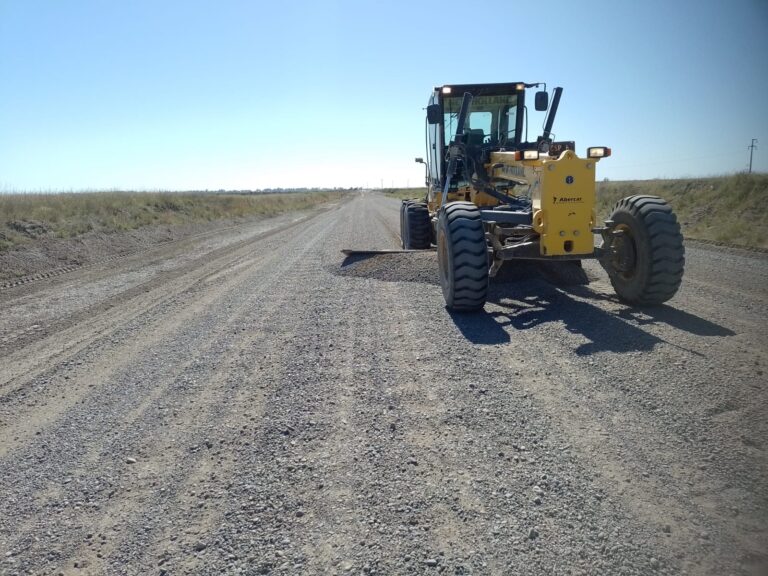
(666, 256)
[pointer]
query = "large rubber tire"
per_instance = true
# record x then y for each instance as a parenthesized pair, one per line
(403, 227)
(653, 271)
(462, 256)
(415, 225)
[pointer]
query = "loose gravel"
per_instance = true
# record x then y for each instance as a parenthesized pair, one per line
(264, 405)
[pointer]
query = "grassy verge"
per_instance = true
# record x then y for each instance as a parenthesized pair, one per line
(728, 209)
(405, 193)
(26, 217)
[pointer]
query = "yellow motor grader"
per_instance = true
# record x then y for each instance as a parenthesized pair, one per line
(493, 196)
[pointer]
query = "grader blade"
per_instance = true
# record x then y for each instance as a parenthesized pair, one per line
(348, 252)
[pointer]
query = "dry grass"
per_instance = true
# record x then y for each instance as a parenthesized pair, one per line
(728, 209)
(25, 217)
(406, 193)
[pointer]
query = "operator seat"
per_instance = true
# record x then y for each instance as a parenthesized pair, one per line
(475, 137)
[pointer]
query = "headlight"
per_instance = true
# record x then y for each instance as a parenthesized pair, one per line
(598, 152)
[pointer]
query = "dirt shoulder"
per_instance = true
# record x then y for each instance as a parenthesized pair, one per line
(46, 257)
(48, 234)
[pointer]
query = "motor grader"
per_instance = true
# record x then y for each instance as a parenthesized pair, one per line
(493, 197)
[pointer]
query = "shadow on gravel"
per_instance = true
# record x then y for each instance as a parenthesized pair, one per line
(480, 327)
(530, 296)
(523, 281)
(677, 319)
(535, 302)
(665, 314)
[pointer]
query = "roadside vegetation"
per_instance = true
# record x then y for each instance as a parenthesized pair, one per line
(726, 209)
(405, 193)
(26, 217)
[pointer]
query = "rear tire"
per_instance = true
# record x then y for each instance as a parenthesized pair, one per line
(403, 227)
(415, 226)
(648, 257)
(462, 256)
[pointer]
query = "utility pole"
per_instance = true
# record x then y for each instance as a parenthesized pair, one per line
(751, 149)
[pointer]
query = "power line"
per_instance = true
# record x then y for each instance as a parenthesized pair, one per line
(751, 149)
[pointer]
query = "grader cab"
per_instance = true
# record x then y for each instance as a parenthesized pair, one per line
(493, 196)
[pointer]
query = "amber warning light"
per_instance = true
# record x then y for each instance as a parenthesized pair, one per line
(526, 154)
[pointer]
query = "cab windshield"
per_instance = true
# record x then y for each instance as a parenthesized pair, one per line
(491, 120)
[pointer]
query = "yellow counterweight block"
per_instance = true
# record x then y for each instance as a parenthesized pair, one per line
(564, 205)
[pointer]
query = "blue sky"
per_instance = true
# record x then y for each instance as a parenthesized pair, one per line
(240, 94)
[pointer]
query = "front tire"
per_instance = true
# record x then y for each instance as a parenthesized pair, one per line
(462, 256)
(647, 256)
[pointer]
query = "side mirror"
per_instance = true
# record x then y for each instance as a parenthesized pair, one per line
(434, 114)
(420, 161)
(542, 101)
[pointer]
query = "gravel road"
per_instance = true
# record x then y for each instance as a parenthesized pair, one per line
(255, 403)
